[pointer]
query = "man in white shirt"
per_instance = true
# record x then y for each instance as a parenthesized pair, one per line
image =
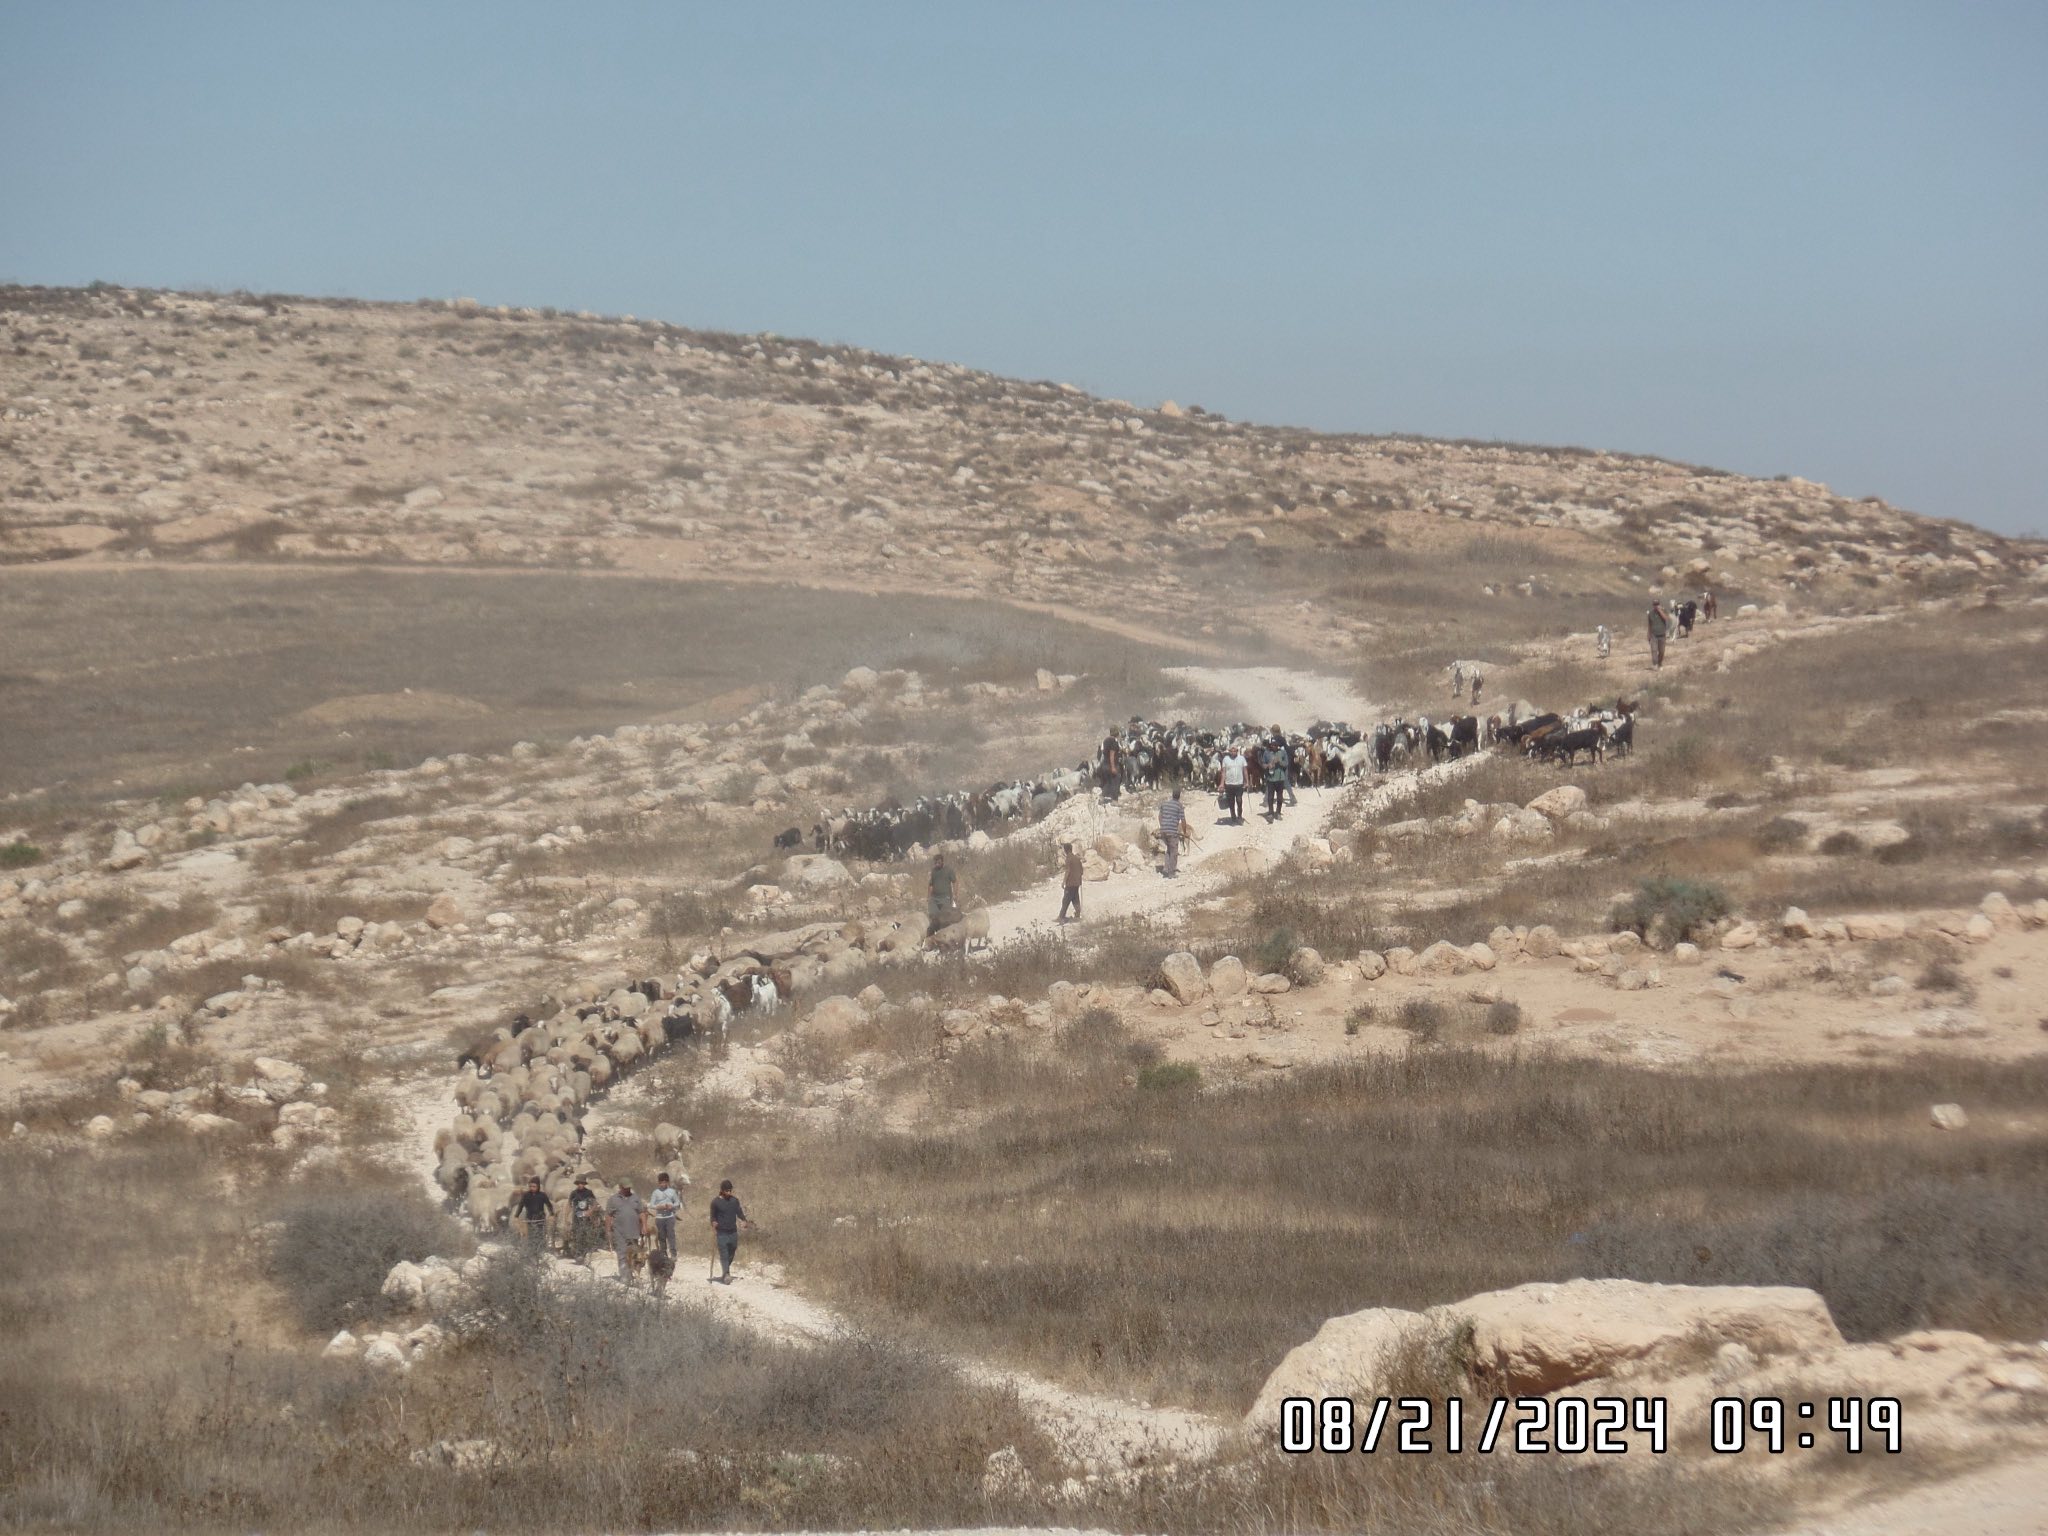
(665, 1204)
(1231, 777)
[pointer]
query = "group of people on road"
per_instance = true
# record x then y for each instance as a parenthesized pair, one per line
(635, 1230)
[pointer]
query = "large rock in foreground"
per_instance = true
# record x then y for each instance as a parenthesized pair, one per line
(1544, 1337)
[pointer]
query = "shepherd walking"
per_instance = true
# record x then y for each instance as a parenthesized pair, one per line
(1173, 819)
(1072, 869)
(727, 1217)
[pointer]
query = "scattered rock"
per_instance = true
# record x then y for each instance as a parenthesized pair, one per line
(1558, 803)
(343, 1346)
(1442, 958)
(126, 853)
(1541, 943)
(837, 1016)
(1949, 1117)
(1227, 978)
(1305, 966)
(405, 1285)
(444, 911)
(1182, 973)
(1741, 936)
(1797, 925)
(1544, 1337)
(1372, 965)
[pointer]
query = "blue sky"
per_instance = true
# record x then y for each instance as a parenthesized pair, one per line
(1786, 238)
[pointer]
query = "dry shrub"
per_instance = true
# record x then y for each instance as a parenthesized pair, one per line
(337, 1240)
(1177, 1245)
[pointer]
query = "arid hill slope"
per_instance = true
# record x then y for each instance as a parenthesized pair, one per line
(142, 425)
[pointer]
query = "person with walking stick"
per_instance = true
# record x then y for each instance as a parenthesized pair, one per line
(727, 1217)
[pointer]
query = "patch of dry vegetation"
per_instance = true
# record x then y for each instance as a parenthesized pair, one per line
(1147, 1241)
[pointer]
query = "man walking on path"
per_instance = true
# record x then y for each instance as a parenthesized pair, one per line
(583, 1219)
(1172, 817)
(532, 1207)
(1231, 777)
(1273, 760)
(1071, 871)
(1286, 760)
(1659, 623)
(665, 1204)
(622, 1215)
(727, 1217)
(940, 906)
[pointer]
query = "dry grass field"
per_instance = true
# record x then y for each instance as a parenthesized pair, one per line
(1113, 1221)
(144, 680)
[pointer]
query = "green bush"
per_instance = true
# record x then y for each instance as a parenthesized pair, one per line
(19, 855)
(1170, 1077)
(337, 1242)
(1685, 907)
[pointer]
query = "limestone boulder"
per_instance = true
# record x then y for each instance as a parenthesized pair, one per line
(1557, 804)
(1271, 984)
(1545, 1337)
(1741, 936)
(1797, 925)
(1182, 973)
(1442, 958)
(405, 1285)
(1305, 966)
(444, 911)
(126, 853)
(836, 1016)
(343, 1346)
(1541, 942)
(1372, 965)
(1228, 978)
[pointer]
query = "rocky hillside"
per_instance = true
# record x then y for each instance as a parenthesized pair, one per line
(149, 425)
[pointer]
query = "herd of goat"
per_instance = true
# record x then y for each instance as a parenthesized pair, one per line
(522, 1090)
(1150, 753)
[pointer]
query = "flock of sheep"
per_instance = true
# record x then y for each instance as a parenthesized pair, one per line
(522, 1090)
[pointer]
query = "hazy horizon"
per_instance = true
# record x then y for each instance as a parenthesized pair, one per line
(1775, 240)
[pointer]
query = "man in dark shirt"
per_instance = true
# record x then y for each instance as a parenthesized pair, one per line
(942, 904)
(727, 1217)
(585, 1222)
(532, 1208)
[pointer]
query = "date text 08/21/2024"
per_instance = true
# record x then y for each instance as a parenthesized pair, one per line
(1602, 1426)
